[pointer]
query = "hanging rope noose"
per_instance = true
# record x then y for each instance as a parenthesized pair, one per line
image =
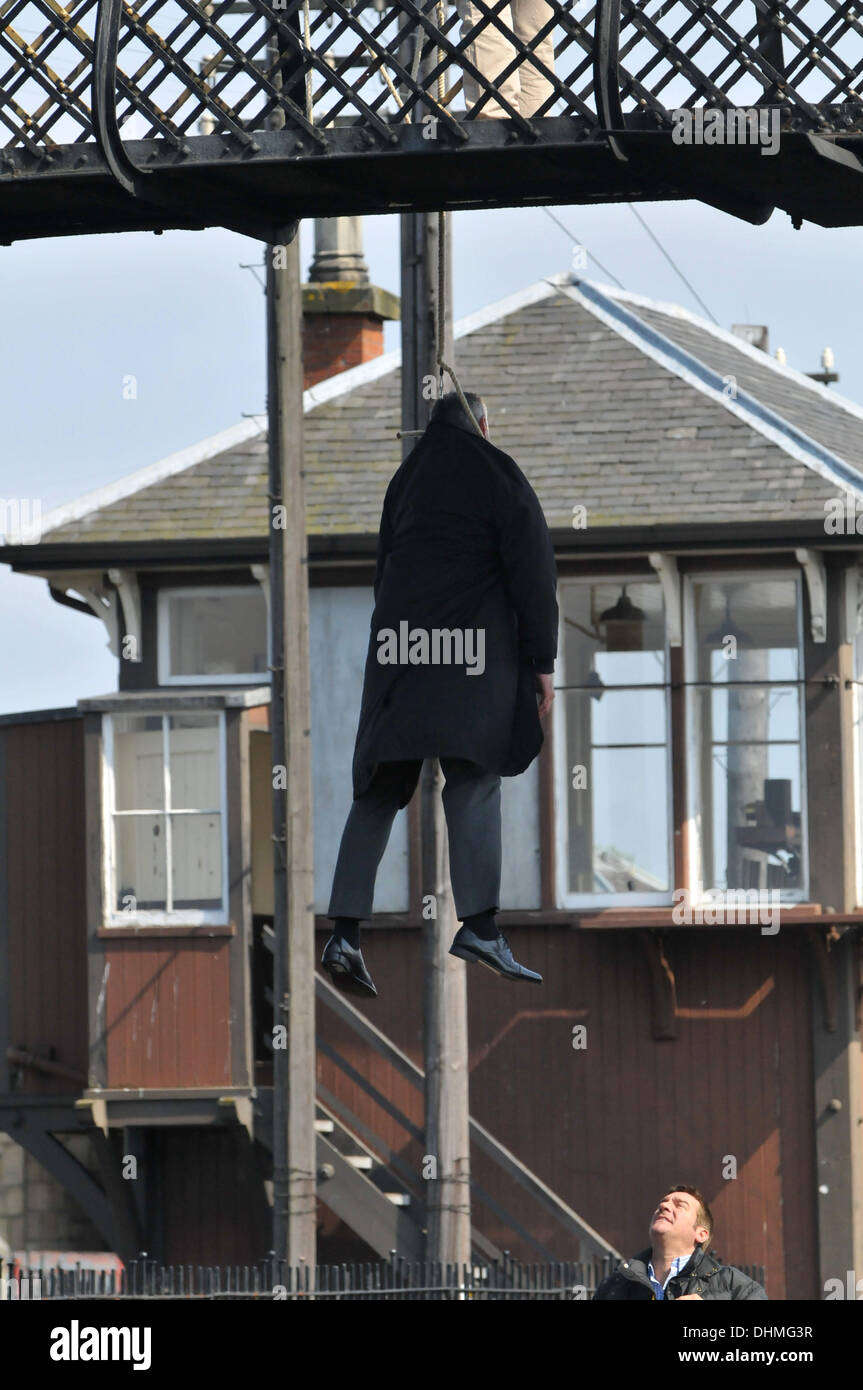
(440, 318)
(441, 258)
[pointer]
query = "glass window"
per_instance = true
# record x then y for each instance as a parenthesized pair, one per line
(212, 636)
(166, 817)
(745, 671)
(613, 745)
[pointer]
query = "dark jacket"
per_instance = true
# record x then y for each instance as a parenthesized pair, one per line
(463, 544)
(702, 1275)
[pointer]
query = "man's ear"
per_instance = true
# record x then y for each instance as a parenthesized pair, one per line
(702, 1235)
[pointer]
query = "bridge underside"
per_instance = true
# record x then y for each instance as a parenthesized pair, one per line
(810, 177)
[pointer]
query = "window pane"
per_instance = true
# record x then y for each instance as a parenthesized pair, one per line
(196, 852)
(749, 760)
(619, 821)
(218, 635)
(614, 633)
(140, 863)
(747, 629)
(193, 749)
(138, 763)
(627, 716)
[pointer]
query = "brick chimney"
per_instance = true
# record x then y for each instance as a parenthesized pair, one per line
(343, 313)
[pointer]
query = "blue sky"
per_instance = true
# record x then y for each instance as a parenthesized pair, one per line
(178, 314)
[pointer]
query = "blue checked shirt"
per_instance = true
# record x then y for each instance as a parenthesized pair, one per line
(676, 1266)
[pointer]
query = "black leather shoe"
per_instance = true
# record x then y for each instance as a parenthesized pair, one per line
(347, 967)
(497, 954)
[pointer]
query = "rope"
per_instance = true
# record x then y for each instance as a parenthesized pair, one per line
(307, 40)
(385, 75)
(441, 21)
(439, 325)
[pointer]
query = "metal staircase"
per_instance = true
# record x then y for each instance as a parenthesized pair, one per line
(368, 1184)
(355, 1185)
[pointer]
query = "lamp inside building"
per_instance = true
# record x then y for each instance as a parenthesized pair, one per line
(624, 625)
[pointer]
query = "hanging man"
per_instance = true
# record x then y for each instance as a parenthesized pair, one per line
(463, 638)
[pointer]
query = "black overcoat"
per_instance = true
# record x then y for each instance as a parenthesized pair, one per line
(463, 548)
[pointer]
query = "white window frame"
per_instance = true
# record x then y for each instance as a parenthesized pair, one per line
(564, 898)
(150, 917)
(165, 675)
(693, 799)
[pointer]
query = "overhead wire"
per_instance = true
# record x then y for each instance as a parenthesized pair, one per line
(692, 290)
(577, 242)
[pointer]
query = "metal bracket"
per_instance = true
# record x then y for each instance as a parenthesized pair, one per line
(666, 568)
(816, 583)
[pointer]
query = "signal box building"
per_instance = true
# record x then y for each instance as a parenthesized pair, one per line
(704, 754)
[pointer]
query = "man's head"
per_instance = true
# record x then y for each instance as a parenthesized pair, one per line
(681, 1221)
(450, 410)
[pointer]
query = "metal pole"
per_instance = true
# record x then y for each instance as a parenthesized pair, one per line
(444, 983)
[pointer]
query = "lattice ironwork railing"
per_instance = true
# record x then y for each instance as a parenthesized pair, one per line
(232, 69)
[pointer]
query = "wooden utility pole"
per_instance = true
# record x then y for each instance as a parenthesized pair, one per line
(294, 1165)
(447, 1133)
(294, 1156)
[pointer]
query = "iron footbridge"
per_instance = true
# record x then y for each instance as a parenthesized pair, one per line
(119, 115)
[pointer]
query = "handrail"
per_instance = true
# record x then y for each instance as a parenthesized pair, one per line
(606, 73)
(261, 223)
(503, 1157)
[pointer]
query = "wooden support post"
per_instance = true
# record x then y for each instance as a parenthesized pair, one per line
(294, 1165)
(444, 988)
(836, 1041)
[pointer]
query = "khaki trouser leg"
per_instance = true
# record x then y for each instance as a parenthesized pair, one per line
(490, 52)
(528, 18)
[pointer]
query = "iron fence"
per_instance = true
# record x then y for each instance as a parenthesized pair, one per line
(508, 1279)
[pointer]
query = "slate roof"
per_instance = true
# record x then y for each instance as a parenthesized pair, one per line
(603, 398)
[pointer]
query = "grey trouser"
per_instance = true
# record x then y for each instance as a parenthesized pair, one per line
(471, 802)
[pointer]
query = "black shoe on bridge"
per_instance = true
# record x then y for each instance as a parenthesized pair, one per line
(496, 954)
(347, 968)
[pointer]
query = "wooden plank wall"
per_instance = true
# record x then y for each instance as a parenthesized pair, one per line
(168, 1012)
(610, 1126)
(210, 1190)
(45, 918)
